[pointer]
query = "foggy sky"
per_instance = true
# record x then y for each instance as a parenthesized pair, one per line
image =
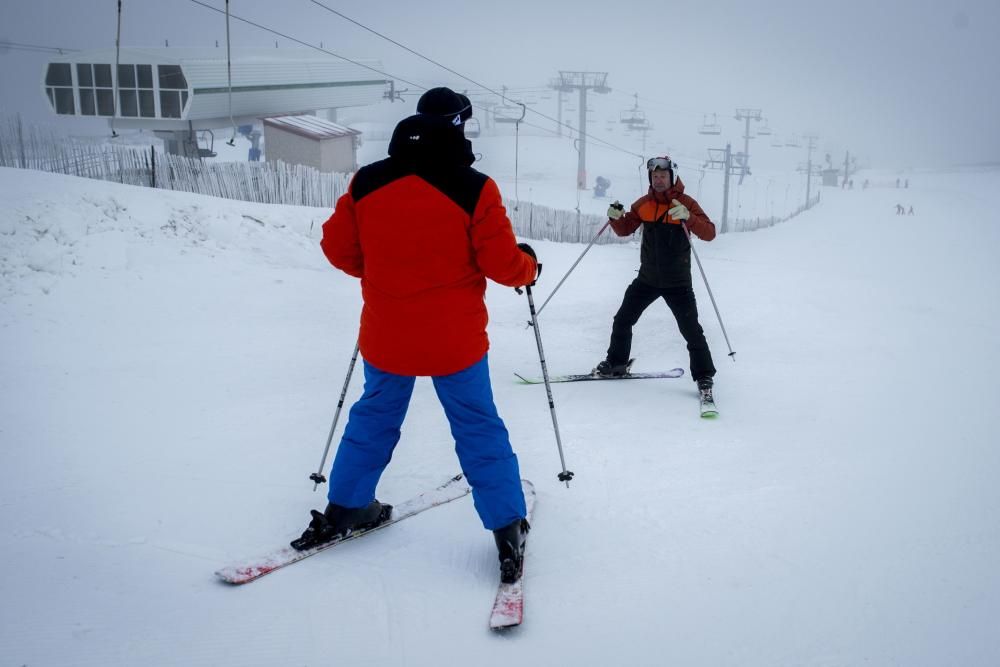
(900, 82)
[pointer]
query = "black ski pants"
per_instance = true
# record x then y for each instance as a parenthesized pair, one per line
(681, 302)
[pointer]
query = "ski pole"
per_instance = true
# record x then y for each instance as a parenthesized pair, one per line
(732, 354)
(565, 475)
(589, 246)
(317, 476)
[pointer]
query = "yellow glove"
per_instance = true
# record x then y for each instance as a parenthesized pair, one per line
(679, 211)
(616, 210)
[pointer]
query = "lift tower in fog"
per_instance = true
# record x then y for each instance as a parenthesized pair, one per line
(582, 82)
(747, 115)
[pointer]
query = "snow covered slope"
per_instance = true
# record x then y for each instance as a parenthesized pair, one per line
(169, 365)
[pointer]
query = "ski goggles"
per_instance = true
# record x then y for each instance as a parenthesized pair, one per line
(660, 163)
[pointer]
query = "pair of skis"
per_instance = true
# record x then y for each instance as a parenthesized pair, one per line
(706, 406)
(508, 607)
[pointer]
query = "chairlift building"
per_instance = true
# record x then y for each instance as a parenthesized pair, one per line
(176, 92)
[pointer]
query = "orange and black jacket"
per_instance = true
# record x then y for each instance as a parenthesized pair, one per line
(665, 254)
(423, 231)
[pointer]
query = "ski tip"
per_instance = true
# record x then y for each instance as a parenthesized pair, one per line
(522, 378)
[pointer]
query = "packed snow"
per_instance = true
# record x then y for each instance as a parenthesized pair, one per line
(171, 363)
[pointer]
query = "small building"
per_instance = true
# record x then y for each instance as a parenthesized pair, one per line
(830, 177)
(311, 141)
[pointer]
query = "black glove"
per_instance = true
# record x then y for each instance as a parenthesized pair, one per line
(528, 250)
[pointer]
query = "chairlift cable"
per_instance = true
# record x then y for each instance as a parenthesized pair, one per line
(593, 138)
(311, 46)
(456, 73)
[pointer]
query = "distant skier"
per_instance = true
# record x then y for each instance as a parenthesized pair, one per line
(664, 269)
(910, 212)
(423, 231)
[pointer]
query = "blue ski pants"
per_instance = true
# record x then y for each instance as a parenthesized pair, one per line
(481, 441)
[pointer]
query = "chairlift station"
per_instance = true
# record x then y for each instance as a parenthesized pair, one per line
(176, 92)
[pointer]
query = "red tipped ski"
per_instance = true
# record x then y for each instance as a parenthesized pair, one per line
(508, 608)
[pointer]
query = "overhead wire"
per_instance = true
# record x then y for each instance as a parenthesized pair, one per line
(466, 78)
(35, 48)
(399, 78)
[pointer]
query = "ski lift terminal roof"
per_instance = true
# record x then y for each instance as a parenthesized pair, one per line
(310, 127)
(180, 88)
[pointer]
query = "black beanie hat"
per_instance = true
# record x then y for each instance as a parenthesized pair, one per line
(445, 102)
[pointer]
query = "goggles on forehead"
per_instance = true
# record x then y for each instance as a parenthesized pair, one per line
(660, 163)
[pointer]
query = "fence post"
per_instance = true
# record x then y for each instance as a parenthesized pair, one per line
(152, 169)
(20, 143)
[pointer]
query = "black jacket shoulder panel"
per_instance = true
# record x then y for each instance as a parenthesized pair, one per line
(435, 151)
(374, 176)
(463, 185)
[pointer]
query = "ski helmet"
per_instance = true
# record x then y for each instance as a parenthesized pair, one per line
(662, 162)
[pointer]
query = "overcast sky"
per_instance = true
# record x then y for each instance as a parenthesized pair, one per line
(901, 82)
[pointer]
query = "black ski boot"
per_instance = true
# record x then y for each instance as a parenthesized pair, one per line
(510, 549)
(705, 389)
(338, 522)
(609, 369)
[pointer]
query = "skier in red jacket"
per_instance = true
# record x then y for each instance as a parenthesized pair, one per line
(423, 231)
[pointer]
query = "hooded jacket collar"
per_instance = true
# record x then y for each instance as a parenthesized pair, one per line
(429, 141)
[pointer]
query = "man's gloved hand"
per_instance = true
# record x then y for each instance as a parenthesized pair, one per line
(678, 211)
(616, 210)
(528, 250)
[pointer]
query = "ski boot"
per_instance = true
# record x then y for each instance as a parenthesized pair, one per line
(510, 549)
(609, 369)
(705, 389)
(337, 522)
(705, 398)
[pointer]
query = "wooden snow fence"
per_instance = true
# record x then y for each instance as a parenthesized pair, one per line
(532, 221)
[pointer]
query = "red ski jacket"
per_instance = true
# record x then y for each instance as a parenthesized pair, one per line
(423, 231)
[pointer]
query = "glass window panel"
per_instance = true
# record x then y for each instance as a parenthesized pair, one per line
(184, 99)
(52, 99)
(84, 75)
(105, 102)
(171, 77)
(59, 74)
(126, 76)
(147, 107)
(87, 101)
(145, 76)
(64, 101)
(129, 105)
(170, 106)
(102, 76)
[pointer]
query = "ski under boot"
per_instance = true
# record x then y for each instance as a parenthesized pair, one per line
(338, 522)
(510, 549)
(608, 369)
